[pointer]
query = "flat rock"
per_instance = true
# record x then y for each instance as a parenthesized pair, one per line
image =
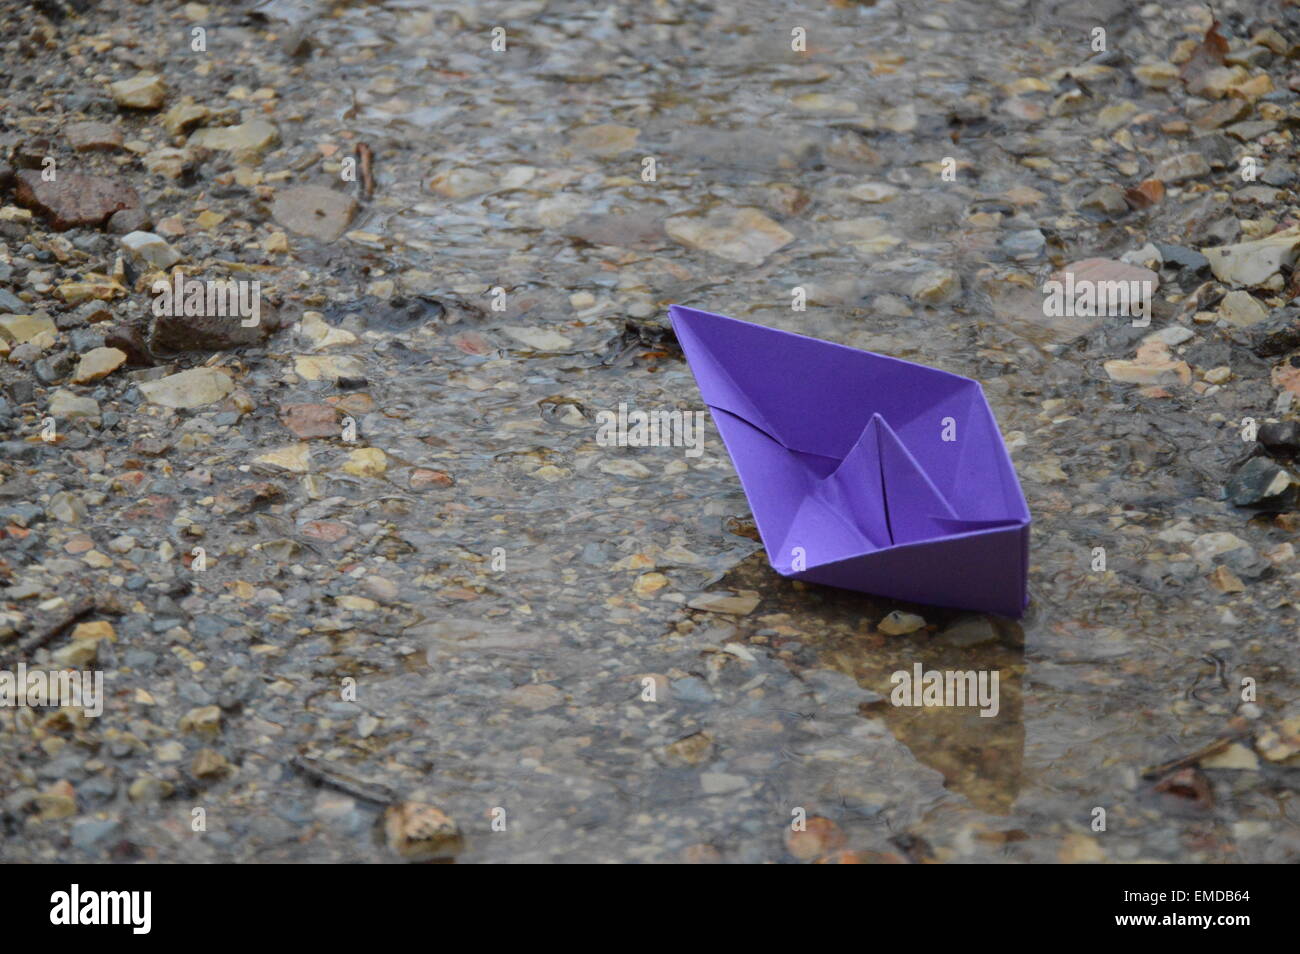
(970, 631)
(366, 462)
(11, 304)
(73, 198)
(174, 334)
(418, 832)
(98, 363)
(295, 458)
(314, 211)
(1242, 309)
(145, 91)
(733, 604)
(150, 248)
(935, 286)
(316, 367)
(1148, 372)
(539, 339)
(607, 139)
(87, 137)
(1253, 263)
(899, 623)
(169, 161)
(184, 116)
(193, 388)
(630, 230)
(251, 138)
(307, 421)
(1263, 484)
(461, 183)
(743, 235)
(66, 406)
(17, 329)
(1180, 168)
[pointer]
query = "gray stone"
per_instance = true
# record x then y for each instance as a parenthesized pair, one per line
(315, 211)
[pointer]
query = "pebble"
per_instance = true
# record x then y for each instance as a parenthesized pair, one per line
(328, 367)
(169, 162)
(742, 235)
(184, 116)
(66, 406)
(819, 836)
(936, 286)
(296, 458)
(1151, 374)
(209, 763)
(205, 720)
(17, 329)
(188, 389)
(147, 788)
(57, 801)
(536, 697)
(88, 137)
(11, 303)
(366, 462)
(607, 139)
(98, 363)
(540, 339)
(144, 91)
(741, 604)
(721, 783)
(423, 479)
(1242, 309)
(87, 834)
(1263, 484)
(1106, 198)
(308, 421)
(461, 183)
(1280, 437)
(1252, 264)
(150, 248)
(314, 211)
(416, 831)
(74, 198)
(247, 140)
(1180, 168)
(128, 220)
(66, 507)
(898, 623)
(971, 631)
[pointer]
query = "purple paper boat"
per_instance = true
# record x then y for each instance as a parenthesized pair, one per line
(863, 471)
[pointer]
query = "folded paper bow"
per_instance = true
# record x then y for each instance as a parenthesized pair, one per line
(864, 471)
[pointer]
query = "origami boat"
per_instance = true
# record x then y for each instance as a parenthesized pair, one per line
(864, 471)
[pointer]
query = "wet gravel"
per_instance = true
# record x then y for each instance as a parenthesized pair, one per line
(362, 573)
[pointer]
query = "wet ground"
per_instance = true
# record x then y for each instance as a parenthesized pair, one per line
(476, 606)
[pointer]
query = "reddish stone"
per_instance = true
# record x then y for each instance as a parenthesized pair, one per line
(471, 342)
(1145, 194)
(85, 137)
(423, 479)
(329, 531)
(356, 403)
(310, 420)
(79, 544)
(153, 507)
(73, 198)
